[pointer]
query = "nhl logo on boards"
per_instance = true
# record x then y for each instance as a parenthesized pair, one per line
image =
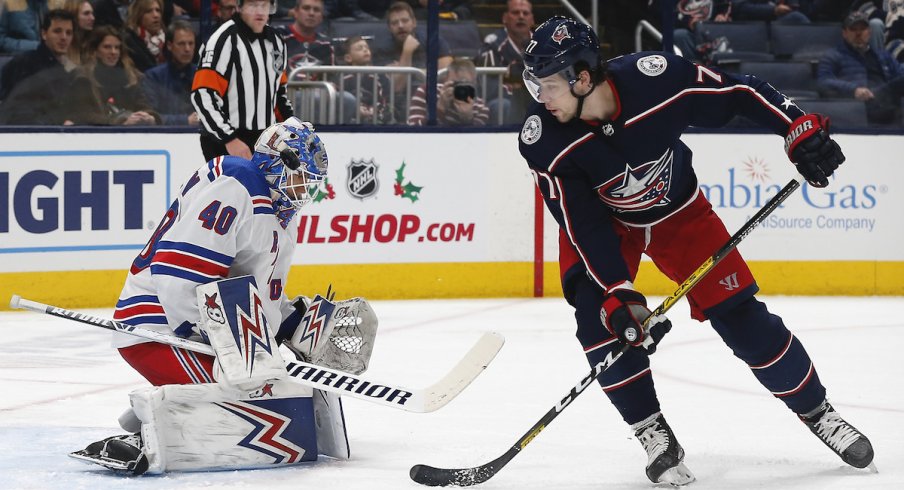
(653, 65)
(561, 34)
(362, 179)
(532, 130)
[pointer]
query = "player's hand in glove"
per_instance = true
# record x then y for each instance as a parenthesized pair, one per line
(623, 314)
(808, 145)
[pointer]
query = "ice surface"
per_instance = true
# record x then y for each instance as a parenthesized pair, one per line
(63, 386)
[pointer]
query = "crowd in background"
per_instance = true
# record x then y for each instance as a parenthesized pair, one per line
(133, 62)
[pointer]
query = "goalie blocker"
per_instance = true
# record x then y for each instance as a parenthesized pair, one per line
(255, 416)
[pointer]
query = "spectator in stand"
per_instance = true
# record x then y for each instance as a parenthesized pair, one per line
(236, 106)
(167, 87)
(779, 11)
(405, 46)
(145, 35)
(856, 69)
(306, 42)
(83, 12)
(32, 80)
(347, 9)
(457, 103)
(115, 12)
(505, 48)
(20, 25)
(108, 89)
(370, 101)
(694, 43)
(836, 10)
(225, 10)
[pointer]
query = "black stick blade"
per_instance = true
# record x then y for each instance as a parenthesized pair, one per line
(442, 477)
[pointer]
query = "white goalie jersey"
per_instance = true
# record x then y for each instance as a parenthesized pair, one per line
(222, 224)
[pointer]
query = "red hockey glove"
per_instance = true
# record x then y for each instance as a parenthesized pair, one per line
(808, 145)
(623, 314)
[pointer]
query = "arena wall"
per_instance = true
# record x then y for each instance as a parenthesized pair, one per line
(433, 215)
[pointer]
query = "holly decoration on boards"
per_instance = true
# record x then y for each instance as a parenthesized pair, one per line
(406, 190)
(325, 191)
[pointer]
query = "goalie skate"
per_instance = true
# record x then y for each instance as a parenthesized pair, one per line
(845, 440)
(117, 453)
(665, 463)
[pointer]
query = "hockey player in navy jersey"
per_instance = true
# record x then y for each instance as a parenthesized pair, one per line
(604, 146)
(232, 228)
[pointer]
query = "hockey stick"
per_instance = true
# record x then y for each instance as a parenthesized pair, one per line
(431, 476)
(423, 400)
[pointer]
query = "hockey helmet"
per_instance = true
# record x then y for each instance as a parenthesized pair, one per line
(556, 46)
(294, 161)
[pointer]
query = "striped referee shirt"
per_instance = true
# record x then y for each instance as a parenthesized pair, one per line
(241, 80)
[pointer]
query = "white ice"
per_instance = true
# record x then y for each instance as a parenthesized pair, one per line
(63, 387)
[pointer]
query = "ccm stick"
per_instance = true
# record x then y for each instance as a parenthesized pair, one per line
(423, 400)
(431, 476)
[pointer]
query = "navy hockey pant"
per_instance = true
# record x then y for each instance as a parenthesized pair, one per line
(756, 336)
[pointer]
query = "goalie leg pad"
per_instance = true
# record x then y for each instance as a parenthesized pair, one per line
(332, 438)
(235, 319)
(336, 335)
(217, 427)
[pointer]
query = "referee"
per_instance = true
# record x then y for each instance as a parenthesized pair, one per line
(240, 86)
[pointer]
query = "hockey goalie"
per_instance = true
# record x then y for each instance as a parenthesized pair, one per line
(215, 271)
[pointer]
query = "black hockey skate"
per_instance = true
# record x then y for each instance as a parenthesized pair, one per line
(118, 453)
(847, 442)
(665, 463)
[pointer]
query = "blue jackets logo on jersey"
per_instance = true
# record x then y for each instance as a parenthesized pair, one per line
(640, 188)
(652, 65)
(532, 130)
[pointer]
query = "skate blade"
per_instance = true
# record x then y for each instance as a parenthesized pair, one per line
(678, 476)
(872, 468)
(110, 464)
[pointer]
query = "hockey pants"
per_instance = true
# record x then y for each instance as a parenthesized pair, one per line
(756, 336)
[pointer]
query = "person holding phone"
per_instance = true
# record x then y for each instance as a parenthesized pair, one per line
(457, 102)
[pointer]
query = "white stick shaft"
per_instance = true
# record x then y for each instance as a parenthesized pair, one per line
(423, 400)
(163, 338)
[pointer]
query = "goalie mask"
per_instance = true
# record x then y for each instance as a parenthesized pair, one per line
(294, 162)
(561, 47)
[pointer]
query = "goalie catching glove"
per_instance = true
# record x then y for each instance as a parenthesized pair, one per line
(809, 147)
(623, 314)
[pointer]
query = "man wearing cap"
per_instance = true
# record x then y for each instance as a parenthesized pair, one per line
(856, 69)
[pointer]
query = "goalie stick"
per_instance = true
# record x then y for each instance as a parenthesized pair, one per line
(422, 400)
(432, 476)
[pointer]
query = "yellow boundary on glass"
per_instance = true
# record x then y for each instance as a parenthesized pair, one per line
(100, 289)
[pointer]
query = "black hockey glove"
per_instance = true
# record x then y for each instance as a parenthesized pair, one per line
(623, 314)
(808, 145)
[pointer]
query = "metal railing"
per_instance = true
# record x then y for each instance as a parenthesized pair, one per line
(320, 89)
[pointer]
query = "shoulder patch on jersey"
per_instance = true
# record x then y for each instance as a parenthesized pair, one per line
(652, 65)
(491, 38)
(532, 130)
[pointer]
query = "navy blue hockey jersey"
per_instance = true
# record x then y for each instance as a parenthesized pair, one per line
(634, 169)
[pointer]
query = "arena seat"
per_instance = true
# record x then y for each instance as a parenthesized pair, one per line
(843, 113)
(742, 36)
(793, 78)
(463, 37)
(804, 42)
